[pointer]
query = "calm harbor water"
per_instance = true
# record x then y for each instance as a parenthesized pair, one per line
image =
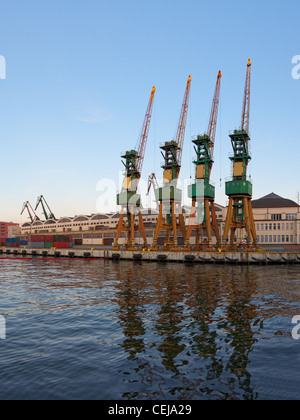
(79, 329)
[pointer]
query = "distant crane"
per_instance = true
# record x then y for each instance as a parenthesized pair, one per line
(152, 181)
(41, 201)
(32, 215)
(239, 189)
(169, 196)
(128, 198)
(202, 192)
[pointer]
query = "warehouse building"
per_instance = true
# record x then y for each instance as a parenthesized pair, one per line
(277, 222)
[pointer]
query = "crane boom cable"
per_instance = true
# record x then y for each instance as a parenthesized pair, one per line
(182, 121)
(211, 132)
(246, 101)
(145, 132)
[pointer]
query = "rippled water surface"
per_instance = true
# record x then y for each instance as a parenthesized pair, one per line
(78, 329)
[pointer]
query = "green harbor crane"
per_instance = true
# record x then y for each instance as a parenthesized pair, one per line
(41, 201)
(239, 188)
(170, 217)
(202, 191)
(128, 198)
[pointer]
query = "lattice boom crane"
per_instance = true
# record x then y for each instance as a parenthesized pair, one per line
(246, 102)
(145, 132)
(30, 211)
(169, 196)
(41, 200)
(239, 189)
(182, 121)
(202, 192)
(128, 198)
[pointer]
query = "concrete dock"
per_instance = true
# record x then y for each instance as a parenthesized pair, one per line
(160, 256)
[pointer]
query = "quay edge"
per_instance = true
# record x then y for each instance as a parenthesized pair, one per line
(162, 256)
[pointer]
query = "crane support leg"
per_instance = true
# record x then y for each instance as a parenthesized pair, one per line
(142, 229)
(215, 224)
(158, 228)
(174, 225)
(116, 245)
(228, 221)
(243, 220)
(192, 224)
(182, 222)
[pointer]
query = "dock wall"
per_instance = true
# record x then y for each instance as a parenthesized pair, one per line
(161, 256)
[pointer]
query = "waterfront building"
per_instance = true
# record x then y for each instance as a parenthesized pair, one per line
(277, 222)
(7, 229)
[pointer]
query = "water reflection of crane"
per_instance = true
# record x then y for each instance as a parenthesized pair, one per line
(240, 316)
(170, 321)
(186, 332)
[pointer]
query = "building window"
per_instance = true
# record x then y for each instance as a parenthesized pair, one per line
(291, 217)
(275, 216)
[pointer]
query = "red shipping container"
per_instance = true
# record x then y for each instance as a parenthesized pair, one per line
(61, 245)
(48, 238)
(36, 238)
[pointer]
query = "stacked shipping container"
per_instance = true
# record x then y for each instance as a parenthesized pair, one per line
(40, 242)
(12, 242)
(50, 241)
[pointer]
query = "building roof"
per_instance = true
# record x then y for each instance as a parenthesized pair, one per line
(273, 200)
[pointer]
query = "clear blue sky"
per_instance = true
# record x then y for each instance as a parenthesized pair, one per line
(79, 75)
